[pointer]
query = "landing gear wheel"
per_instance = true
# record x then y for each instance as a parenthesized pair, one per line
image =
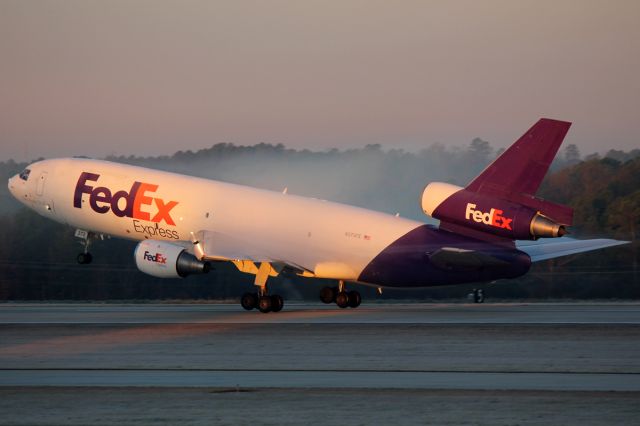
(277, 303)
(354, 299)
(249, 301)
(84, 258)
(264, 304)
(328, 294)
(342, 299)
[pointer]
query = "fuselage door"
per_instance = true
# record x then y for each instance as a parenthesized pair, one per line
(40, 184)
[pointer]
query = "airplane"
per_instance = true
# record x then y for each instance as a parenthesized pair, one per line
(488, 230)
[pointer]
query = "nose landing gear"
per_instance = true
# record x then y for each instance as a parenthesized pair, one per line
(85, 257)
(341, 297)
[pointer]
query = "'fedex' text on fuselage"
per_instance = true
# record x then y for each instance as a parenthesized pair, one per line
(102, 200)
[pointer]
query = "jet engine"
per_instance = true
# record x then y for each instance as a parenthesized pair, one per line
(458, 207)
(165, 260)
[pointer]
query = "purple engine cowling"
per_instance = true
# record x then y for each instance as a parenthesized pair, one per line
(459, 206)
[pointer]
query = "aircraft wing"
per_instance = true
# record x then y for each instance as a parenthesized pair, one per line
(213, 245)
(221, 246)
(549, 249)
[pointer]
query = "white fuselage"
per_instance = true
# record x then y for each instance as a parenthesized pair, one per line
(329, 239)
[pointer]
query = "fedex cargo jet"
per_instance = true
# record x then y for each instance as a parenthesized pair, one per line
(488, 229)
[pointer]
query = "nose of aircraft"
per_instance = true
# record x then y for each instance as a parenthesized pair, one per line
(13, 186)
(10, 185)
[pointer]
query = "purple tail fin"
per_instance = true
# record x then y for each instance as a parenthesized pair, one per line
(520, 168)
(517, 174)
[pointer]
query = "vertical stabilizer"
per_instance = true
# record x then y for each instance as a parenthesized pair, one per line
(521, 168)
(517, 174)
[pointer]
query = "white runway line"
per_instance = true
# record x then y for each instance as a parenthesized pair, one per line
(323, 380)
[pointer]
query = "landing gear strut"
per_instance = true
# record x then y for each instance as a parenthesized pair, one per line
(341, 297)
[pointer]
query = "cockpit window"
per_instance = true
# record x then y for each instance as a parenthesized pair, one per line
(24, 175)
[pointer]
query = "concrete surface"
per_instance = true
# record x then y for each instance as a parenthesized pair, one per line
(427, 363)
(170, 406)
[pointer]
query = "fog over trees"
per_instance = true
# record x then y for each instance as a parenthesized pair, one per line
(37, 256)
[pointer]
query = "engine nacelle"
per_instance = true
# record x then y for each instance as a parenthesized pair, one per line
(452, 204)
(165, 260)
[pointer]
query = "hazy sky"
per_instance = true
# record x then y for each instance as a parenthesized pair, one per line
(154, 77)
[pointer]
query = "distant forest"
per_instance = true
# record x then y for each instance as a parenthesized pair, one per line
(37, 256)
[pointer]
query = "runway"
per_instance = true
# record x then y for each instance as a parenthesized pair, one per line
(456, 355)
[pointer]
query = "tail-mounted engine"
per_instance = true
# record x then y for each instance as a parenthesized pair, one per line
(514, 220)
(165, 260)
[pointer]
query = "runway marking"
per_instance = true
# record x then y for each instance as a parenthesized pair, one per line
(323, 380)
(319, 370)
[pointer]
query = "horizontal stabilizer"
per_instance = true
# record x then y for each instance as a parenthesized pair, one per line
(549, 249)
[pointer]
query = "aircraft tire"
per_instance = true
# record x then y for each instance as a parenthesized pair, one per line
(84, 258)
(328, 295)
(264, 304)
(354, 299)
(277, 303)
(478, 295)
(249, 301)
(342, 299)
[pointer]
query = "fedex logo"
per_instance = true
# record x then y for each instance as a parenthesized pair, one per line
(134, 204)
(492, 218)
(158, 257)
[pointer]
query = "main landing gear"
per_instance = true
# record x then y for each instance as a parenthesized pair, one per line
(341, 297)
(265, 303)
(262, 299)
(477, 295)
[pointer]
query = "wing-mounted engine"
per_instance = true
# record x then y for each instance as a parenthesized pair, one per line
(524, 220)
(165, 260)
